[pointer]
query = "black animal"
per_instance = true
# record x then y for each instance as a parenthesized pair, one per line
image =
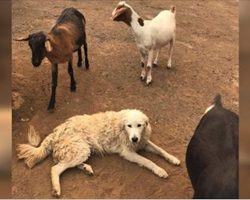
(65, 37)
(212, 154)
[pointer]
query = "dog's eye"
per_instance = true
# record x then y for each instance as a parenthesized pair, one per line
(139, 125)
(129, 126)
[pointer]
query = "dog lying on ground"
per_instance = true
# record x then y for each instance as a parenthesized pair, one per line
(72, 142)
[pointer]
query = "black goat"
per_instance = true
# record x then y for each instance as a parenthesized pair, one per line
(64, 38)
(212, 154)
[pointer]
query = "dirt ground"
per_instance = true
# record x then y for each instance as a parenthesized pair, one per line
(205, 62)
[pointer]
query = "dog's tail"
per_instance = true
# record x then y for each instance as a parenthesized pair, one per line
(31, 153)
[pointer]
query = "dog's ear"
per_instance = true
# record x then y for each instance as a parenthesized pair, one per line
(122, 126)
(123, 118)
(146, 120)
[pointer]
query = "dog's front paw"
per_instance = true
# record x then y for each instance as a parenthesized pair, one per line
(161, 173)
(175, 161)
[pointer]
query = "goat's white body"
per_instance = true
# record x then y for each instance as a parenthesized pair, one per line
(155, 33)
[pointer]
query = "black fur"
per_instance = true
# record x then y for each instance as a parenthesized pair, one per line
(141, 21)
(217, 100)
(37, 45)
(212, 154)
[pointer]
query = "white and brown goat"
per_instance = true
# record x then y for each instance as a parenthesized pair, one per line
(149, 35)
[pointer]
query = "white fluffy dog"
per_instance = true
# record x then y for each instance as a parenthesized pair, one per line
(72, 142)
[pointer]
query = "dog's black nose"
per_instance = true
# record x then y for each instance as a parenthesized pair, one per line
(134, 139)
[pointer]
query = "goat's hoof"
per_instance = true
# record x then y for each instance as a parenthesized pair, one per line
(148, 82)
(73, 88)
(87, 65)
(50, 107)
(155, 65)
(79, 64)
(169, 67)
(142, 78)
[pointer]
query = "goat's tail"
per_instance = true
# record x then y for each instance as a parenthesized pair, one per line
(31, 153)
(217, 100)
(173, 9)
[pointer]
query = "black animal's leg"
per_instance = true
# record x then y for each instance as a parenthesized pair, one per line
(79, 64)
(85, 47)
(54, 85)
(72, 80)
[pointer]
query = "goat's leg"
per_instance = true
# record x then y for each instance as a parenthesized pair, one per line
(79, 63)
(85, 47)
(149, 67)
(143, 72)
(71, 73)
(54, 85)
(151, 147)
(170, 54)
(156, 58)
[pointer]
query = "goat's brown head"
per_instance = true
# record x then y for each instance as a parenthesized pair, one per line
(122, 12)
(39, 44)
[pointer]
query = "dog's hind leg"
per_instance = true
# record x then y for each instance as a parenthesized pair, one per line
(55, 173)
(78, 153)
(86, 168)
(151, 147)
(57, 170)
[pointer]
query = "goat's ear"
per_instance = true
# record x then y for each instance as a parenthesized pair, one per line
(24, 38)
(117, 13)
(48, 46)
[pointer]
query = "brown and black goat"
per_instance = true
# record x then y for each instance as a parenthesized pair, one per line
(65, 37)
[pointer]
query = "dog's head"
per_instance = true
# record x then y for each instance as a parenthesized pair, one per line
(135, 124)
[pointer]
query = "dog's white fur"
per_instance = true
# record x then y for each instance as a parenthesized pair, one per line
(72, 142)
